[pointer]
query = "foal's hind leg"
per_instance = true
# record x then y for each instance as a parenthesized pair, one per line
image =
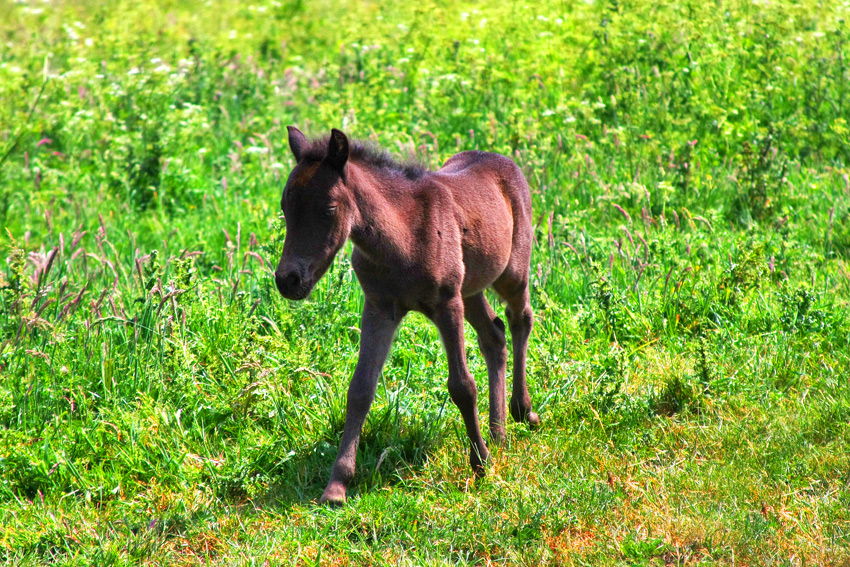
(491, 341)
(520, 320)
(449, 320)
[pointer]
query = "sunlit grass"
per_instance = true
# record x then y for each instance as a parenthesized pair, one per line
(160, 403)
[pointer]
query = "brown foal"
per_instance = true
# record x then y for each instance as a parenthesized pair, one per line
(423, 241)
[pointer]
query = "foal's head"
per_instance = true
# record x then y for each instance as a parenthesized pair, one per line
(318, 211)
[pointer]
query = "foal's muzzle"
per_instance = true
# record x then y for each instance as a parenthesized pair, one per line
(291, 285)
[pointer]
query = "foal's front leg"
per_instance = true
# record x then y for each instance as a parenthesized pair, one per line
(462, 389)
(376, 335)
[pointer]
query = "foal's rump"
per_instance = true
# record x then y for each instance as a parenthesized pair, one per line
(493, 208)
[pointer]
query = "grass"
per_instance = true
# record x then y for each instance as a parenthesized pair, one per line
(161, 404)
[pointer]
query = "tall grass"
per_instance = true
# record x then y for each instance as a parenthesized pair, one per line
(159, 403)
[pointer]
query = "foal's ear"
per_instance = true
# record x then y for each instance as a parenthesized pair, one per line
(337, 149)
(297, 142)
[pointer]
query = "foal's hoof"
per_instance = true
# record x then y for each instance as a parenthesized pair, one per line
(524, 415)
(497, 435)
(334, 495)
(479, 470)
(479, 463)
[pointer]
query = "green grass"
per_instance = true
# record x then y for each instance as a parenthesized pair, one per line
(161, 404)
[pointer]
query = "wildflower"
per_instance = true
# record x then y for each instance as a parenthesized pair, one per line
(257, 150)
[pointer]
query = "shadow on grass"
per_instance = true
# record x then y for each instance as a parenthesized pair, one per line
(393, 447)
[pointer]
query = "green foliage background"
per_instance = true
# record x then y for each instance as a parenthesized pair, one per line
(159, 403)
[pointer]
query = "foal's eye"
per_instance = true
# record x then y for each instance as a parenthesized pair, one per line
(330, 211)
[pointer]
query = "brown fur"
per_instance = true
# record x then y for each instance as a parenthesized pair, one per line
(423, 241)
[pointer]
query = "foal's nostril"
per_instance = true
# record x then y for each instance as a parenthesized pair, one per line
(292, 280)
(287, 284)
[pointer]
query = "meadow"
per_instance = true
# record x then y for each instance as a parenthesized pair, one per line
(161, 404)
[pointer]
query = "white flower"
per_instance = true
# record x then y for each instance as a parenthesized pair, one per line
(133, 71)
(464, 16)
(257, 150)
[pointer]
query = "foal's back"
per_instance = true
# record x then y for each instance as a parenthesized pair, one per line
(472, 168)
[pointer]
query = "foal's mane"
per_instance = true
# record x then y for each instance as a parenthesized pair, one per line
(368, 154)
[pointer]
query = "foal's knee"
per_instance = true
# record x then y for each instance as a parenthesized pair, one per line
(521, 319)
(462, 391)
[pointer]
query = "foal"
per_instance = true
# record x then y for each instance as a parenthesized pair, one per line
(423, 241)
